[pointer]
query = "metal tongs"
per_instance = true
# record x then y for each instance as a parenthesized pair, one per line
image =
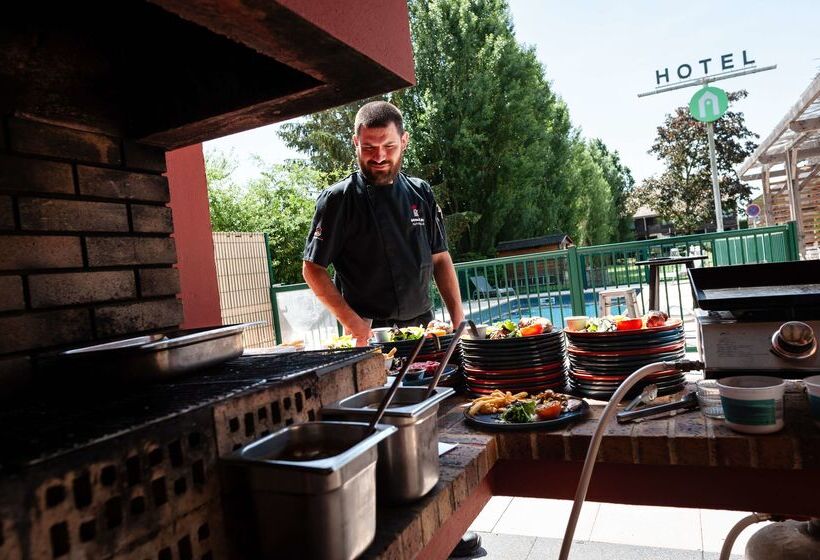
(453, 343)
(388, 398)
(649, 393)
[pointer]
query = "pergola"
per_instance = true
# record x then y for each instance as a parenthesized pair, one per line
(787, 163)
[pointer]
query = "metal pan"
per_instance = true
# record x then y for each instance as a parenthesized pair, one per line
(153, 357)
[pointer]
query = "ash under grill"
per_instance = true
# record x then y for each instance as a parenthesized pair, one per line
(52, 424)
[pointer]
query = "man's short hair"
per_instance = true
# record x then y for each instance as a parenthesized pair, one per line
(378, 114)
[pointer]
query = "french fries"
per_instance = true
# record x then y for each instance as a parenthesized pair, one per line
(495, 401)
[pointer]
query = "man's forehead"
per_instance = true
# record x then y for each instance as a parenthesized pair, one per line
(379, 133)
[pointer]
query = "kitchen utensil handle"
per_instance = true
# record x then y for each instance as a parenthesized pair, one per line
(447, 355)
(690, 401)
(388, 398)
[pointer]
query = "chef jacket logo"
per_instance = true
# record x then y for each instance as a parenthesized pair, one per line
(416, 220)
(318, 233)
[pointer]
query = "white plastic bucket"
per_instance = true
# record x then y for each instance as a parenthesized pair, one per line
(813, 389)
(752, 404)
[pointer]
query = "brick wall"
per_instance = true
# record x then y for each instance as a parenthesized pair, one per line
(86, 251)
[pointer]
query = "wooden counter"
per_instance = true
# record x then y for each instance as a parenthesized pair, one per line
(684, 460)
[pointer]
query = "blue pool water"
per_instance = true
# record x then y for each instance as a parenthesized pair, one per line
(554, 307)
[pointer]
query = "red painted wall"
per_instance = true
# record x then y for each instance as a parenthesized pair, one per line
(379, 30)
(192, 232)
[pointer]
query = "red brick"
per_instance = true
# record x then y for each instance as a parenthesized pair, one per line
(159, 281)
(113, 320)
(110, 183)
(151, 219)
(72, 215)
(34, 175)
(6, 213)
(26, 252)
(48, 140)
(48, 290)
(141, 156)
(11, 293)
(113, 251)
(39, 330)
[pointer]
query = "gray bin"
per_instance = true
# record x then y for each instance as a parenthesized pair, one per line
(313, 487)
(408, 466)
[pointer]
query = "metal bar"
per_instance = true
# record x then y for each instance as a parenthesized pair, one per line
(274, 304)
(708, 79)
(710, 137)
(576, 290)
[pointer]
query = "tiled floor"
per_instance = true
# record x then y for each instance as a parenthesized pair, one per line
(532, 529)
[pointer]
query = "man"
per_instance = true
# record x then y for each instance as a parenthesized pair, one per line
(384, 235)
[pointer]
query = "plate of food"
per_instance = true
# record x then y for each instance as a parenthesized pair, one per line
(627, 327)
(525, 411)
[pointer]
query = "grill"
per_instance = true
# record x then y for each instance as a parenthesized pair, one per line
(31, 435)
(134, 474)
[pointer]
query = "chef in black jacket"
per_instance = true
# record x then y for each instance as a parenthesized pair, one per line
(384, 235)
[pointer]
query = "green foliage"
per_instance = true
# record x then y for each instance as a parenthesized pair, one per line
(682, 194)
(488, 132)
(280, 202)
(620, 181)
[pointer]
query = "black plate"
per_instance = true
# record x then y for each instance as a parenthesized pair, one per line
(512, 342)
(558, 346)
(623, 366)
(616, 337)
(513, 363)
(631, 394)
(604, 386)
(448, 372)
(608, 344)
(492, 422)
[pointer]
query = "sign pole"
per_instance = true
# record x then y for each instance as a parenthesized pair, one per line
(710, 136)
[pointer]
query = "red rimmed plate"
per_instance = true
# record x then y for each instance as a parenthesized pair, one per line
(536, 388)
(512, 378)
(631, 352)
(587, 376)
(670, 324)
(500, 383)
(517, 371)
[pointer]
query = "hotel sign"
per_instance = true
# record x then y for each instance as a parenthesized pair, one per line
(703, 68)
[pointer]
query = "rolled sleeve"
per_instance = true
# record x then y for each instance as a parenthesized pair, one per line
(326, 234)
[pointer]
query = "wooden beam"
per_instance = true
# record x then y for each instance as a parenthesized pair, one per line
(806, 151)
(805, 125)
(806, 98)
(796, 210)
(767, 198)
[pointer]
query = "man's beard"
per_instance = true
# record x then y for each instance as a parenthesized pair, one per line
(381, 176)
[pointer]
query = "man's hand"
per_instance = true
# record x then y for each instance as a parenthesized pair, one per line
(360, 329)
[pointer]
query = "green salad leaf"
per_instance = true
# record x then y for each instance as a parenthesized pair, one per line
(519, 412)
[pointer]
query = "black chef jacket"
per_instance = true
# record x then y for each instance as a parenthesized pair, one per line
(380, 240)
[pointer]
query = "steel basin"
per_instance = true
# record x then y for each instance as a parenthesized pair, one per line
(408, 466)
(313, 487)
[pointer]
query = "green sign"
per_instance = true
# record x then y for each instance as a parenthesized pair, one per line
(708, 104)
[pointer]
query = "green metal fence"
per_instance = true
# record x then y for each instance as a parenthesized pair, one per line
(558, 284)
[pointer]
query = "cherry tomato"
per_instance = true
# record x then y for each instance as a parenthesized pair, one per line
(548, 410)
(629, 324)
(532, 330)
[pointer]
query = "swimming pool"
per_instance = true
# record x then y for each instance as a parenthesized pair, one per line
(553, 307)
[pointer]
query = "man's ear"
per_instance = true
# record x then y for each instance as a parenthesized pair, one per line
(405, 138)
(355, 141)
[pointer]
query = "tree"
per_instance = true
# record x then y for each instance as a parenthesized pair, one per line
(620, 181)
(682, 194)
(280, 202)
(589, 218)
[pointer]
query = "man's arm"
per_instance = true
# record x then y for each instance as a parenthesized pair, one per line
(317, 278)
(447, 282)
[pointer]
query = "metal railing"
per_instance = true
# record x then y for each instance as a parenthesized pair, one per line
(558, 284)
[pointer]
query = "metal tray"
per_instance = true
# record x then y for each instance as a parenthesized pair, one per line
(157, 356)
(757, 286)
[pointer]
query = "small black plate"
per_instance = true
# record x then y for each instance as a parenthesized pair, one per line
(492, 421)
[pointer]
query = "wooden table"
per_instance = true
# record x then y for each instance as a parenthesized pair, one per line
(654, 273)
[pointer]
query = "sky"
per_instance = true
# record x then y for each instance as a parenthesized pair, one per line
(599, 55)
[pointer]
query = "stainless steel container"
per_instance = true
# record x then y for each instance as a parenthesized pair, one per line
(313, 488)
(408, 464)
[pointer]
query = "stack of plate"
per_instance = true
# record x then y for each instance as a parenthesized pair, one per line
(433, 349)
(600, 362)
(532, 363)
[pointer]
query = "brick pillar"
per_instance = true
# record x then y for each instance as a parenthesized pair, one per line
(86, 251)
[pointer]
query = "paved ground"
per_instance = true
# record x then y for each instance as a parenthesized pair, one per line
(530, 529)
